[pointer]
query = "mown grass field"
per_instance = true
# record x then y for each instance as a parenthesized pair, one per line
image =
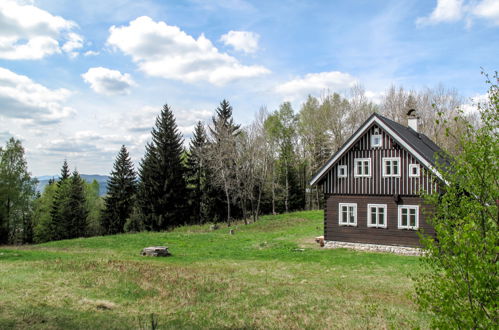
(270, 274)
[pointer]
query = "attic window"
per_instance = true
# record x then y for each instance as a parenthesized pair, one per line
(414, 170)
(362, 167)
(376, 140)
(342, 171)
(391, 166)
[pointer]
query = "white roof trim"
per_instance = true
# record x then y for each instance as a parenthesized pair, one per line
(361, 131)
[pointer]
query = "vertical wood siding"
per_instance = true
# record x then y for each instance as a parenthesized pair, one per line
(377, 184)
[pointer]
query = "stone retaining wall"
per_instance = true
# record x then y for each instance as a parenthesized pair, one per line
(403, 250)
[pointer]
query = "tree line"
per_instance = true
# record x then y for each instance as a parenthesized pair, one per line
(227, 171)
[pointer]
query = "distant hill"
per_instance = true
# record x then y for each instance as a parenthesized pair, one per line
(101, 179)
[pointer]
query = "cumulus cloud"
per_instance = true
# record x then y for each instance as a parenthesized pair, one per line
(75, 41)
(241, 40)
(316, 83)
(487, 9)
(28, 32)
(448, 11)
(22, 98)
(164, 50)
(107, 81)
(445, 11)
(91, 53)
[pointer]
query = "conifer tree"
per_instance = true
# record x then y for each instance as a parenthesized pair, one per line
(74, 209)
(57, 226)
(222, 150)
(121, 189)
(196, 174)
(162, 190)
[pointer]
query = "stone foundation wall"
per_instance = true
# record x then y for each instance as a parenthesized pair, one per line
(402, 250)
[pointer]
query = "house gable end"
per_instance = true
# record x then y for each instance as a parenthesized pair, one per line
(343, 177)
(394, 137)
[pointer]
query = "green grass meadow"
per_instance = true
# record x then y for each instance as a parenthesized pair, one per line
(270, 274)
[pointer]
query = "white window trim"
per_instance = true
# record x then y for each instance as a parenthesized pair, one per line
(414, 207)
(357, 175)
(339, 171)
(380, 141)
(340, 205)
(383, 162)
(369, 215)
(418, 172)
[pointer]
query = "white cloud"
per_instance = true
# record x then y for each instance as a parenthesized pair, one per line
(166, 51)
(241, 40)
(75, 41)
(316, 83)
(445, 11)
(107, 81)
(28, 32)
(448, 11)
(22, 98)
(487, 9)
(91, 53)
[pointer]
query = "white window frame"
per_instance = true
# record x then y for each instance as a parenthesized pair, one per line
(362, 175)
(385, 217)
(374, 145)
(340, 214)
(408, 207)
(391, 159)
(345, 168)
(418, 172)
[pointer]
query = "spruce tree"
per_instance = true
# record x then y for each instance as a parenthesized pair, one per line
(222, 149)
(74, 208)
(57, 226)
(162, 189)
(121, 189)
(196, 174)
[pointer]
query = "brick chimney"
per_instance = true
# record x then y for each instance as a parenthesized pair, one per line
(412, 119)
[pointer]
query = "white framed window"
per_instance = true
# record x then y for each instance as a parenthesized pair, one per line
(342, 171)
(391, 166)
(376, 215)
(376, 141)
(347, 214)
(362, 167)
(408, 217)
(414, 170)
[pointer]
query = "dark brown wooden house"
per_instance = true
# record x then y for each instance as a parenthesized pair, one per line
(372, 184)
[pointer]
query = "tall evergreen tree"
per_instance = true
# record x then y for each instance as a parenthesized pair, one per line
(222, 150)
(74, 208)
(196, 174)
(57, 226)
(162, 190)
(64, 171)
(121, 189)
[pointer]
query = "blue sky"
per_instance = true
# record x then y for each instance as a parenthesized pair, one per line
(80, 78)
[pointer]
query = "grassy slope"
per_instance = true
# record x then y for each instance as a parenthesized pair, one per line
(269, 274)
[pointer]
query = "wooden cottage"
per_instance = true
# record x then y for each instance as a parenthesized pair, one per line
(372, 184)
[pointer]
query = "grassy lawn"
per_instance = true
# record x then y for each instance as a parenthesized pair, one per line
(268, 275)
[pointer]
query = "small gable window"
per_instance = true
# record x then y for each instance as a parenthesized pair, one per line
(414, 170)
(342, 171)
(408, 217)
(376, 141)
(347, 214)
(391, 166)
(362, 167)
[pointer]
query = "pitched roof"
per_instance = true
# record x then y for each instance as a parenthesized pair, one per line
(424, 149)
